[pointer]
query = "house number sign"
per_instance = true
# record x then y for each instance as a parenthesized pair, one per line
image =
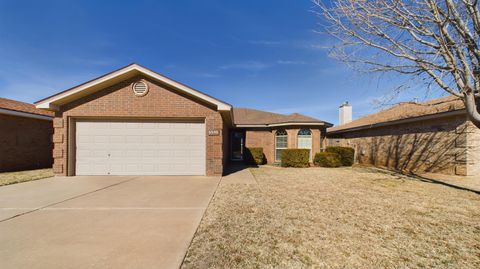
(213, 132)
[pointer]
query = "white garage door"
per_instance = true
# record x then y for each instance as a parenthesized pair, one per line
(140, 148)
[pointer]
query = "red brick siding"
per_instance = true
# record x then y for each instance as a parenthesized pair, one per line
(226, 144)
(438, 145)
(119, 101)
(265, 138)
(316, 141)
(25, 143)
(261, 138)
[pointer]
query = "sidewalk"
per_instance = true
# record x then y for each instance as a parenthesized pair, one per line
(238, 174)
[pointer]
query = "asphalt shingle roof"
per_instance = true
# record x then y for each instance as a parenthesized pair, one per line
(247, 116)
(405, 111)
(23, 107)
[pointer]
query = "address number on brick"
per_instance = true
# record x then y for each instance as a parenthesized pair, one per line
(213, 132)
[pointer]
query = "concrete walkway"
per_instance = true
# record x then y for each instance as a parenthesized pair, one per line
(238, 175)
(101, 222)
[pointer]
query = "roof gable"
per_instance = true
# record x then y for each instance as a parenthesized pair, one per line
(67, 96)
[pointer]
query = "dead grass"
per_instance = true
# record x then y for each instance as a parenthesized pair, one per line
(337, 218)
(23, 176)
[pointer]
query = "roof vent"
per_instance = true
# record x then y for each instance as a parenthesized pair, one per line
(140, 88)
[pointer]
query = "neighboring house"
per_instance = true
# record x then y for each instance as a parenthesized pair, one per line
(25, 136)
(134, 121)
(433, 136)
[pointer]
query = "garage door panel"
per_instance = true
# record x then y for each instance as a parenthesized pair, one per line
(84, 139)
(140, 148)
(197, 139)
(82, 153)
(148, 154)
(196, 154)
(163, 139)
(93, 168)
(118, 139)
(149, 139)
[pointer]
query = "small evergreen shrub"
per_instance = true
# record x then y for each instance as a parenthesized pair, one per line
(255, 156)
(346, 154)
(327, 159)
(295, 158)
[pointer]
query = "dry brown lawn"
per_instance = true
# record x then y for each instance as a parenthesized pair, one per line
(337, 218)
(23, 176)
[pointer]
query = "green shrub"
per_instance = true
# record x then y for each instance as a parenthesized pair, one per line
(255, 156)
(295, 158)
(346, 154)
(327, 159)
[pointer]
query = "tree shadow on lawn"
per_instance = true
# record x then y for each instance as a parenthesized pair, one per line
(421, 178)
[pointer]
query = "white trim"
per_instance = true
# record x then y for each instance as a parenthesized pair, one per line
(279, 124)
(276, 147)
(47, 103)
(303, 138)
(253, 126)
(24, 114)
(296, 123)
(48, 106)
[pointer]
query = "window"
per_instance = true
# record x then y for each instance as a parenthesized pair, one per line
(281, 143)
(305, 140)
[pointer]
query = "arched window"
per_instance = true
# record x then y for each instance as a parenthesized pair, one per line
(304, 138)
(281, 143)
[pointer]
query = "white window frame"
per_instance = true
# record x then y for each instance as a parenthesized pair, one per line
(304, 140)
(283, 135)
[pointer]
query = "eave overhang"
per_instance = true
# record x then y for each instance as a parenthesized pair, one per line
(54, 102)
(401, 121)
(283, 124)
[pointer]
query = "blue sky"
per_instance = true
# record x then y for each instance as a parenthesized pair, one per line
(250, 53)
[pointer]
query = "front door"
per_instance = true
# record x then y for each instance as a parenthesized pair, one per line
(237, 143)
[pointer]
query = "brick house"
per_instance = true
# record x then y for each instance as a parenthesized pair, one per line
(434, 136)
(273, 132)
(25, 136)
(134, 121)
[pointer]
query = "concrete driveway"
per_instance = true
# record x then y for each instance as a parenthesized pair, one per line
(101, 222)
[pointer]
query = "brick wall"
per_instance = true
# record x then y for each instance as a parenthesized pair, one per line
(226, 144)
(119, 101)
(25, 143)
(261, 138)
(447, 145)
(265, 138)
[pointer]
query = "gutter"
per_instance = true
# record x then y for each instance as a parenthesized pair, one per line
(283, 124)
(24, 114)
(401, 121)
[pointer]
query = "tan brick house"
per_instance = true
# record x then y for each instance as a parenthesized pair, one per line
(25, 136)
(134, 121)
(433, 136)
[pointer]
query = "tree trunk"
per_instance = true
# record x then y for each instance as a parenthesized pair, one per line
(472, 110)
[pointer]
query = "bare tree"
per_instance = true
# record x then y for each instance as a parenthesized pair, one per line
(436, 40)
